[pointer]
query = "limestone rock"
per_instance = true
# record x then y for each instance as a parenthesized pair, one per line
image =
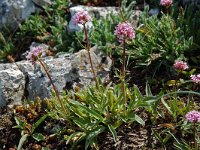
(12, 12)
(97, 12)
(12, 85)
(25, 81)
(154, 11)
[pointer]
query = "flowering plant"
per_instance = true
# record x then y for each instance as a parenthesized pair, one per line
(124, 31)
(166, 3)
(195, 78)
(180, 65)
(193, 116)
(34, 54)
(81, 17)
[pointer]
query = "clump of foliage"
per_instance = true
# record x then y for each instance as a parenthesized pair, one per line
(6, 45)
(94, 112)
(104, 108)
(102, 32)
(159, 42)
(47, 26)
(188, 20)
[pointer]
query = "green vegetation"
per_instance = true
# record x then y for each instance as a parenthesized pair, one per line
(159, 42)
(165, 45)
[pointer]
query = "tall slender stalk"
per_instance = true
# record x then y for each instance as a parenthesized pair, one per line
(120, 10)
(194, 131)
(124, 31)
(90, 59)
(123, 76)
(53, 85)
(176, 83)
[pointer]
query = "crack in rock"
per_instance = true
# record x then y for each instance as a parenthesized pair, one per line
(22, 81)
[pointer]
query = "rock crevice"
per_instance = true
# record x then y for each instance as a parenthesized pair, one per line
(23, 81)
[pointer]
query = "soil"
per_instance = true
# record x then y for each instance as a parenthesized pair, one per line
(131, 136)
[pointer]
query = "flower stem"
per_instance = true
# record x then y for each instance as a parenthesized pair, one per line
(176, 83)
(120, 10)
(123, 76)
(53, 85)
(194, 131)
(90, 59)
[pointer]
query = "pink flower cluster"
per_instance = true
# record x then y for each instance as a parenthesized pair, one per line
(180, 65)
(195, 78)
(166, 3)
(193, 116)
(34, 54)
(124, 31)
(81, 17)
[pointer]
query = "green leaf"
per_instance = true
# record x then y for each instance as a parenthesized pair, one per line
(82, 137)
(22, 140)
(92, 112)
(181, 146)
(166, 139)
(192, 71)
(137, 93)
(114, 133)
(139, 120)
(35, 125)
(171, 83)
(159, 138)
(149, 101)
(167, 106)
(20, 123)
(148, 90)
(92, 135)
(73, 135)
(38, 137)
(117, 124)
(81, 122)
(45, 148)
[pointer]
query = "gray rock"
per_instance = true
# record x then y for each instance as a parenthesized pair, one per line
(97, 12)
(27, 81)
(154, 11)
(135, 18)
(12, 85)
(12, 12)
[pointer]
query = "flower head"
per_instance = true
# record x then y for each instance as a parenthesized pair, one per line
(34, 54)
(195, 78)
(180, 65)
(81, 17)
(166, 3)
(193, 116)
(124, 31)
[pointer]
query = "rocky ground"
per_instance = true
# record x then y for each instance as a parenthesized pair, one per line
(129, 136)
